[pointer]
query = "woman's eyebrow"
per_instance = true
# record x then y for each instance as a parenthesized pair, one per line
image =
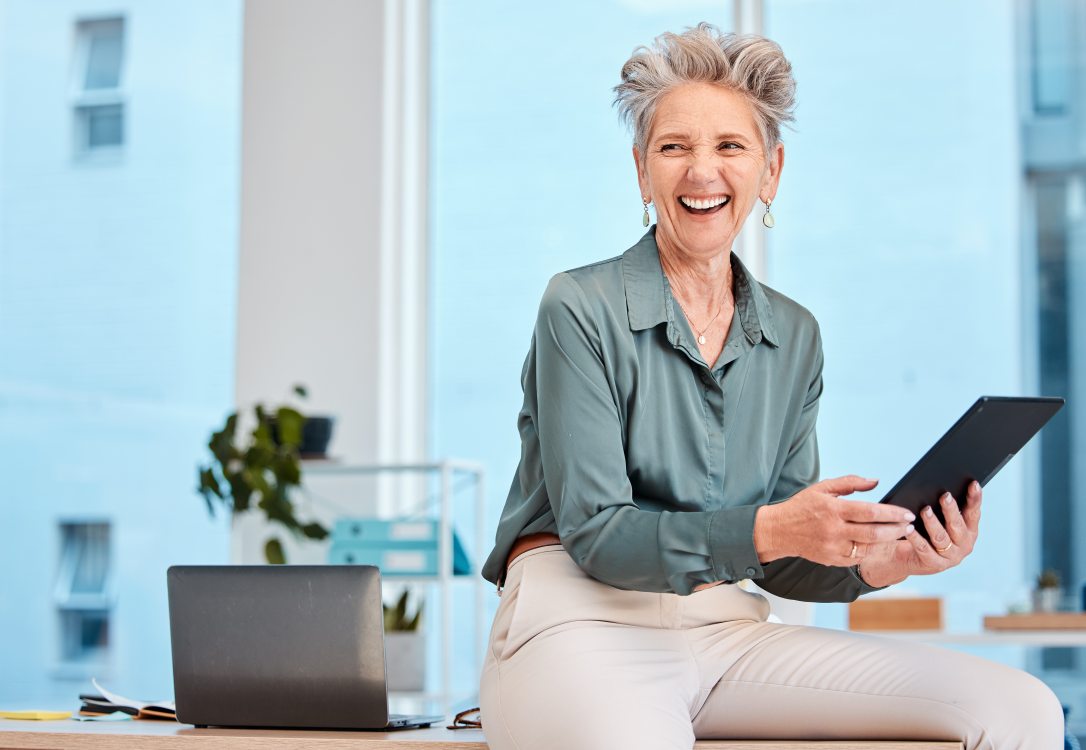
(677, 136)
(671, 137)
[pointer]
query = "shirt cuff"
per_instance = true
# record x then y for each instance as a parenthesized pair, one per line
(865, 588)
(731, 543)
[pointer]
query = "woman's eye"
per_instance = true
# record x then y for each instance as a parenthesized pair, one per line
(729, 146)
(671, 147)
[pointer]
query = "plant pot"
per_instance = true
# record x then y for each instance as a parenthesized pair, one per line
(1047, 600)
(405, 661)
(316, 434)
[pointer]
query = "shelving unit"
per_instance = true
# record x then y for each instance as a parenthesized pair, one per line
(441, 507)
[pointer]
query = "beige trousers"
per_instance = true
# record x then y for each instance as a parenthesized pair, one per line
(576, 664)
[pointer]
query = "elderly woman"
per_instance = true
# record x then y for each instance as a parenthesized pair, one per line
(668, 451)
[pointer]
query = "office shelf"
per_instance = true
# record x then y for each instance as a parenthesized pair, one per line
(441, 508)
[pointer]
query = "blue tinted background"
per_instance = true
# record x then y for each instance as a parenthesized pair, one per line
(117, 317)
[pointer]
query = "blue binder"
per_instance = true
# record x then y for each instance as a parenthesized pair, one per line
(399, 547)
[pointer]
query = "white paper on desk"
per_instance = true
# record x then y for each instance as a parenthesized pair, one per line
(120, 700)
(115, 716)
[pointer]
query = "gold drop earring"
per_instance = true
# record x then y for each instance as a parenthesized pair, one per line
(645, 216)
(767, 219)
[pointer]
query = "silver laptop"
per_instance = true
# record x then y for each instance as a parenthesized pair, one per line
(280, 646)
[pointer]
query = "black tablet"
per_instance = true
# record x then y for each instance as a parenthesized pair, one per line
(979, 444)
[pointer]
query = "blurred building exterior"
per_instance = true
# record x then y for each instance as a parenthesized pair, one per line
(119, 160)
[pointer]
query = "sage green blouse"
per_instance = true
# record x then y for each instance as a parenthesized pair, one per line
(648, 463)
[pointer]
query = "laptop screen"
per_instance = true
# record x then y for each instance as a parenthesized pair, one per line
(278, 646)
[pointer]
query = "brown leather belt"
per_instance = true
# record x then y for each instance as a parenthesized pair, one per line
(530, 542)
(526, 544)
(543, 539)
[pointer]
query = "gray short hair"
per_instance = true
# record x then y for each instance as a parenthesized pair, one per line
(750, 64)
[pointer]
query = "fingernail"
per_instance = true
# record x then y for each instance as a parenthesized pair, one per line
(909, 517)
(928, 511)
(947, 499)
(908, 529)
(975, 486)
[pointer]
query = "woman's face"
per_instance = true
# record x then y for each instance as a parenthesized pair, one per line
(704, 167)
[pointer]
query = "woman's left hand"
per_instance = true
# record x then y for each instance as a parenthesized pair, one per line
(891, 563)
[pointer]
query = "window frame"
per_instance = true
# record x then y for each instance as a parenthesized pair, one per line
(73, 607)
(84, 100)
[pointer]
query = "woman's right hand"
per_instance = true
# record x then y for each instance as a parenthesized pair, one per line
(816, 524)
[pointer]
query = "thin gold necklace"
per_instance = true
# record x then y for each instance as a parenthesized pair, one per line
(701, 333)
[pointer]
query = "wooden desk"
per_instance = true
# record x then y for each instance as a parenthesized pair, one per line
(156, 735)
(1030, 638)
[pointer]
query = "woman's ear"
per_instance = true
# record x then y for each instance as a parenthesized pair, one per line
(642, 178)
(772, 174)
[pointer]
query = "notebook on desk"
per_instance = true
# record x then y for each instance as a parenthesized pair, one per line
(280, 646)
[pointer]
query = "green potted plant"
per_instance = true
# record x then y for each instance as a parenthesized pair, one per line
(1046, 597)
(405, 646)
(258, 471)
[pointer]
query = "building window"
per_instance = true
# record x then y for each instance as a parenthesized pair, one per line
(1052, 26)
(98, 99)
(84, 592)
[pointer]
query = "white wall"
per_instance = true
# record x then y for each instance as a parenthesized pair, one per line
(309, 293)
(332, 258)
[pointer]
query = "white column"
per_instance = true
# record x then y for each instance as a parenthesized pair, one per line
(748, 17)
(402, 363)
(333, 244)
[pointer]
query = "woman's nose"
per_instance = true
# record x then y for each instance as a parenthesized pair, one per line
(702, 168)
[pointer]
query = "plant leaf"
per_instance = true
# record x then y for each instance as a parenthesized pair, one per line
(262, 435)
(210, 505)
(208, 482)
(401, 610)
(254, 470)
(289, 422)
(240, 490)
(413, 624)
(222, 440)
(287, 469)
(314, 531)
(273, 552)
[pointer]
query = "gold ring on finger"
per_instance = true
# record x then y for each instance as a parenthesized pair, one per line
(944, 549)
(852, 552)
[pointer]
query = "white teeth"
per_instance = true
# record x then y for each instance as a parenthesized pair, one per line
(704, 203)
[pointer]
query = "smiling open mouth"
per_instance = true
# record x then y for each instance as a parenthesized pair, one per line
(703, 206)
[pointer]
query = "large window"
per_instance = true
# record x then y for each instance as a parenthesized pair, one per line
(117, 292)
(1061, 284)
(1055, 246)
(903, 223)
(531, 174)
(1059, 276)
